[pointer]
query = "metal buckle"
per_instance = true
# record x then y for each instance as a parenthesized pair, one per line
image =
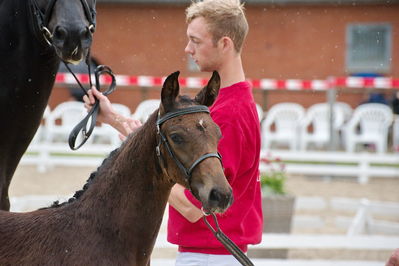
(205, 212)
(47, 35)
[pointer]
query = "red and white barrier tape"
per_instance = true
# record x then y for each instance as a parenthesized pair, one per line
(263, 84)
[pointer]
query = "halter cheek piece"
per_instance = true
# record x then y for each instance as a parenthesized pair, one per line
(42, 20)
(163, 140)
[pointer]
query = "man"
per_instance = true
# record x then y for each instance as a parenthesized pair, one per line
(216, 32)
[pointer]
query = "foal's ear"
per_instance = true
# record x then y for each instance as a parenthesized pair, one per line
(209, 93)
(170, 90)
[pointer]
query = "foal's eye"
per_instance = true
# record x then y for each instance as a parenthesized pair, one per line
(176, 138)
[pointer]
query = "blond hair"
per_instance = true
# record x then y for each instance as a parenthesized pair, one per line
(224, 18)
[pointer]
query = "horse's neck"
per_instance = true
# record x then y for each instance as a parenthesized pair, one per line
(30, 64)
(130, 191)
(28, 69)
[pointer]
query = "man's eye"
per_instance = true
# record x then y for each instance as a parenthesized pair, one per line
(176, 138)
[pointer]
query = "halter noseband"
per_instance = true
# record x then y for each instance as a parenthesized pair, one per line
(163, 140)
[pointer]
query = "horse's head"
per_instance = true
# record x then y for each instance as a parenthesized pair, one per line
(188, 142)
(68, 25)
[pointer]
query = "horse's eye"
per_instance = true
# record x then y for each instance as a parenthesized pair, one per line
(176, 138)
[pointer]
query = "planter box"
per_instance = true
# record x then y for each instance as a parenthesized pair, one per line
(278, 211)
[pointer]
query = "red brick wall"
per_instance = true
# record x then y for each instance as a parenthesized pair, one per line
(304, 42)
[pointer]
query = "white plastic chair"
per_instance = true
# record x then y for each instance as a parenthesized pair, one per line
(122, 109)
(260, 112)
(318, 116)
(145, 109)
(373, 121)
(285, 117)
(346, 109)
(69, 114)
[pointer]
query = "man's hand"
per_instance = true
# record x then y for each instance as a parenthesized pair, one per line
(179, 201)
(107, 114)
(394, 259)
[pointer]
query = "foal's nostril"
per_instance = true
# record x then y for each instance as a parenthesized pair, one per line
(60, 33)
(218, 199)
(215, 195)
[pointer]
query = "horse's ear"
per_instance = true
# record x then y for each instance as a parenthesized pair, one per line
(209, 93)
(170, 90)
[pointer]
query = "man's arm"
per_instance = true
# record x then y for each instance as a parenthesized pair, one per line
(179, 201)
(107, 114)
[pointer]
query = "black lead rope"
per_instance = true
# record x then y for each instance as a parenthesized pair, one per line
(227, 242)
(85, 127)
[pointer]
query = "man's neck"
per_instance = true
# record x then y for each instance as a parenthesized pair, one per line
(231, 72)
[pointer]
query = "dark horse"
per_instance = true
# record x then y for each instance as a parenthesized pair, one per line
(35, 35)
(115, 219)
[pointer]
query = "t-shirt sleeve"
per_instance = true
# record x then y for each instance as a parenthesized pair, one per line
(230, 149)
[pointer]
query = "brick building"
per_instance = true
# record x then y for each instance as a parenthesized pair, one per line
(300, 39)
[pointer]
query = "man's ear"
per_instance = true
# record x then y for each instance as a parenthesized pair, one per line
(170, 90)
(209, 93)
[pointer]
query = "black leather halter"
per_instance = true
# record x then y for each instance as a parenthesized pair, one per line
(41, 20)
(163, 140)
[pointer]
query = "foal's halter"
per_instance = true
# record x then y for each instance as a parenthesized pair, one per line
(41, 21)
(163, 140)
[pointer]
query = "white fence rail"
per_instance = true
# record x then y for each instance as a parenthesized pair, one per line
(333, 163)
(45, 155)
(313, 242)
(369, 217)
(328, 163)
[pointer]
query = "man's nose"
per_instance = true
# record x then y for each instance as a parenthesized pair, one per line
(188, 49)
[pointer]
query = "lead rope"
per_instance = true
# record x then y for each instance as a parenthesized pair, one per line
(227, 242)
(86, 126)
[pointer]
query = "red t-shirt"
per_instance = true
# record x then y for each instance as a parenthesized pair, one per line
(234, 111)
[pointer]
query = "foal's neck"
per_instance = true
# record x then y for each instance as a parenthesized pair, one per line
(130, 191)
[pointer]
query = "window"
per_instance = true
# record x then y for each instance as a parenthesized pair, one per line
(368, 48)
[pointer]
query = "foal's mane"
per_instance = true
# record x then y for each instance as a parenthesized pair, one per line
(134, 139)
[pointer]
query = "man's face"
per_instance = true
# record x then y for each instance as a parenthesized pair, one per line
(201, 47)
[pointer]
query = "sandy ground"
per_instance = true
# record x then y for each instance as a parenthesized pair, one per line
(66, 180)
(56, 181)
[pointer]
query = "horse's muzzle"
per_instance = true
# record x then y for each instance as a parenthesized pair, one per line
(72, 43)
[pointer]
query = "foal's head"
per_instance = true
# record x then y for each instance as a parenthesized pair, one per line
(68, 26)
(188, 142)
